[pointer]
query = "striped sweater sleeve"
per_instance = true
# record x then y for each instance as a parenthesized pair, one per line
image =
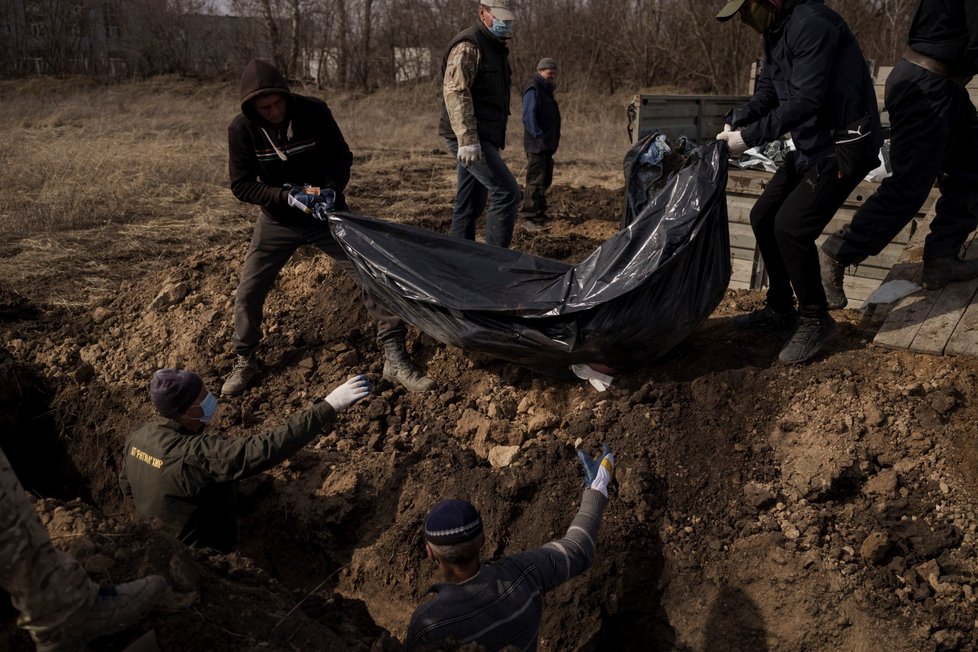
(560, 560)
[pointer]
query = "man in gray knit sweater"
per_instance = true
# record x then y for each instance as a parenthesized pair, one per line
(499, 604)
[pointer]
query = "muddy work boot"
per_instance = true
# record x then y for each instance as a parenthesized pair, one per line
(833, 272)
(399, 369)
(809, 338)
(116, 608)
(938, 272)
(768, 319)
(244, 372)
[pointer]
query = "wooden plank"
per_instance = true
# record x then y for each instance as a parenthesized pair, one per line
(934, 333)
(904, 320)
(740, 274)
(964, 339)
(739, 253)
(858, 289)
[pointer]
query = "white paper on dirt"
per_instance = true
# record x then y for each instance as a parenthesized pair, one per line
(598, 380)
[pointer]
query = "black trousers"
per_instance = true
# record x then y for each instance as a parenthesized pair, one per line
(934, 137)
(787, 218)
(272, 245)
(539, 177)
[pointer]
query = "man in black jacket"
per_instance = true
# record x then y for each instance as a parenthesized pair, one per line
(475, 88)
(816, 85)
(287, 155)
(541, 137)
(177, 473)
(933, 137)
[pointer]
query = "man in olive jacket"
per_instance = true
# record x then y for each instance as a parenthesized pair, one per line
(175, 472)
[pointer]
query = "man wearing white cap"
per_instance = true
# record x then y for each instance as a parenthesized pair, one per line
(499, 604)
(476, 86)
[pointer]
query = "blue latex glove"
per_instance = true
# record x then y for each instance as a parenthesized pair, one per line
(299, 198)
(324, 204)
(598, 472)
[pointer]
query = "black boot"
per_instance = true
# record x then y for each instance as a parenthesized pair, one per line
(938, 272)
(398, 367)
(833, 273)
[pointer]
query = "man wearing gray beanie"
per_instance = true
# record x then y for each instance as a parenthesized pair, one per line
(541, 137)
(177, 473)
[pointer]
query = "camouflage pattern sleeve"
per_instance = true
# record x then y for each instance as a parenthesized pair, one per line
(463, 63)
(46, 586)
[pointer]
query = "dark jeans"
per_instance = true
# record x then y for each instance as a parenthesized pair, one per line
(934, 136)
(787, 218)
(539, 176)
(485, 177)
(272, 244)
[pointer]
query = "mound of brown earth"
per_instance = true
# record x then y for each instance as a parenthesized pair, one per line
(821, 507)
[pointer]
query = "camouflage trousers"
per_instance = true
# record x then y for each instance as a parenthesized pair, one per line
(46, 586)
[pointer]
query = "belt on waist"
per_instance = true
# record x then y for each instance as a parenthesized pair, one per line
(935, 66)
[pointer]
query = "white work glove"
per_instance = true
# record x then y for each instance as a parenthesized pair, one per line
(727, 127)
(469, 154)
(349, 393)
(598, 472)
(734, 140)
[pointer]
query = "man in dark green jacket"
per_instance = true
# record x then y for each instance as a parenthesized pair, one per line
(175, 472)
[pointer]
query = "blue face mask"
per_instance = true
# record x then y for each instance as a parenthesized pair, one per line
(501, 28)
(209, 407)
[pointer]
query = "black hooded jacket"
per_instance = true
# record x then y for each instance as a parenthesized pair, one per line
(313, 146)
(814, 81)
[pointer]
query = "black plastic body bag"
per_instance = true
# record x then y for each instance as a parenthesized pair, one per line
(631, 301)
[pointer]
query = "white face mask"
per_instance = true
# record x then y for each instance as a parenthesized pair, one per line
(209, 407)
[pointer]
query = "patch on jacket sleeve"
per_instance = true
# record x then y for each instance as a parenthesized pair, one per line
(143, 456)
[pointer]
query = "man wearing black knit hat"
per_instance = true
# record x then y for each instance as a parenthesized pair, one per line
(178, 474)
(498, 604)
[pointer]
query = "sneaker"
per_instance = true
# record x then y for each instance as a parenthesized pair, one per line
(244, 372)
(810, 336)
(533, 227)
(938, 272)
(767, 319)
(833, 272)
(116, 608)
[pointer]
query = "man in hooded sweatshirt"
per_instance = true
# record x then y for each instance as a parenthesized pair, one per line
(815, 84)
(287, 155)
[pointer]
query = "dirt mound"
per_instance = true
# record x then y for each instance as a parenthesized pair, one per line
(825, 506)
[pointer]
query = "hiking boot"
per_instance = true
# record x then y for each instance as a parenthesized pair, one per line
(938, 272)
(244, 371)
(116, 608)
(833, 272)
(767, 319)
(399, 369)
(810, 336)
(533, 227)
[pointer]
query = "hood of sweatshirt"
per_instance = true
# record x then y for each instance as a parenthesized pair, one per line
(260, 77)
